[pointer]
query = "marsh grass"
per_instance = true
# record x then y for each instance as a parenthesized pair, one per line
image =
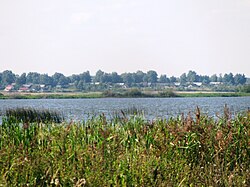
(126, 113)
(31, 115)
(131, 151)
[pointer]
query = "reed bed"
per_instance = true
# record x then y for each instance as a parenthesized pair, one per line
(122, 114)
(181, 151)
(31, 115)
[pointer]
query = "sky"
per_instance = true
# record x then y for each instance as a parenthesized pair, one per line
(168, 36)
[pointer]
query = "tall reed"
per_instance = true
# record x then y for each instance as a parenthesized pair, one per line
(33, 115)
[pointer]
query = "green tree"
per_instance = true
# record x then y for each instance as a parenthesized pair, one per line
(64, 81)
(191, 76)
(98, 76)
(8, 77)
(106, 78)
(46, 79)
(164, 79)
(60, 79)
(33, 77)
(127, 78)
(220, 78)
(74, 79)
(80, 85)
(239, 79)
(183, 79)
(85, 77)
(151, 76)
(138, 76)
(228, 79)
(173, 79)
(214, 78)
(205, 79)
(21, 79)
(116, 78)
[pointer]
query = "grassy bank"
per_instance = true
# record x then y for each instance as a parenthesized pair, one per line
(211, 94)
(59, 95)
(125, 94)
(127, 151)
(118, 94)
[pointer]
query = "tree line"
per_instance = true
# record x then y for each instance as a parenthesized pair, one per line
(129, 79)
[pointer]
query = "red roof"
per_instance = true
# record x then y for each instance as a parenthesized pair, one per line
(8, 88)
(24, 89)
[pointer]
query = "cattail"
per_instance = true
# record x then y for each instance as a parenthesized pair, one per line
(189, 123)
(198, 114)
(227, 114)
(26, 125)
(230, 137)
(219, 135)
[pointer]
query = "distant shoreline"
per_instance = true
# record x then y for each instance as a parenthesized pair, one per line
(82, 95)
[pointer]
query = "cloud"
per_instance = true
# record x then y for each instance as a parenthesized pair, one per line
(81, 17)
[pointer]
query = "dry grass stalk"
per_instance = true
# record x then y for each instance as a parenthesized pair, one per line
(198, 115)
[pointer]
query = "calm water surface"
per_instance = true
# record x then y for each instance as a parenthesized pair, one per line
(79, 109)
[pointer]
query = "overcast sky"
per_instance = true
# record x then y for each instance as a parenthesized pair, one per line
(168, 36)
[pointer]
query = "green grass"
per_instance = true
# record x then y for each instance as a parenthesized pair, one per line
(212, 94)
(2, 96)
(51, 95)
(132, 93)
(128, 151)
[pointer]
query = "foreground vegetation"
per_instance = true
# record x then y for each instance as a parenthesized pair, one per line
(191, 150)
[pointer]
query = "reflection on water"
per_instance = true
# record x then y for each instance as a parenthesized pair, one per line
(79, 109)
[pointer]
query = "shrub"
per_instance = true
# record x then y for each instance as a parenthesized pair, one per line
(246, 88)
(168, 93)
(134, 93)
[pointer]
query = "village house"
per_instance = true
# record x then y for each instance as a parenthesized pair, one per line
(25, 88)
(215, 83)
(9, 88)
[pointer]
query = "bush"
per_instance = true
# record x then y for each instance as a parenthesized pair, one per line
(134, 93)
(168, 93)
(246, 88)
(109, 93)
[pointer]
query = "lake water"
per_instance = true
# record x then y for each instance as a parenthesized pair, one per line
(78, 109)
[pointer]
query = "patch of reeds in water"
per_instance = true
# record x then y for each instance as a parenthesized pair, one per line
(126, 113)
(31, 115)
(132, 111)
